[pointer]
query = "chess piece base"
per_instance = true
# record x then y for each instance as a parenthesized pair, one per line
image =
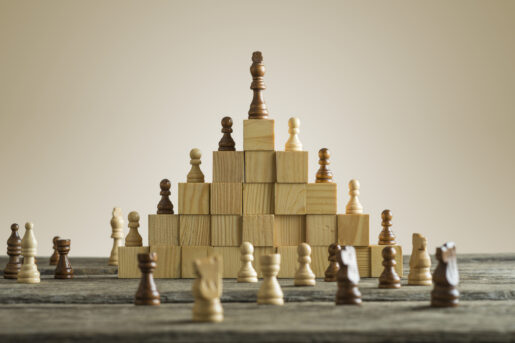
(306, 282)
(247, 279)
(420, 282)
(390, 285)
(270, 301)
(147, 301)
(63, 276)
(208, 311)
(355, 301)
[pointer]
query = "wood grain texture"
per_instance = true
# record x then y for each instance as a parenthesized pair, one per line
(163, 229)
(258, 252)
(194, 198)
(259, 134)
(226, 230)
(260, 167)
(258, 229)
(376, 260)
(290, 198)
(321, 229)
(354, 229)
(364, 261)
(195, 230)
(291, 166)
(128, 262)
(320, 255)
(258, 198)
(168, 262)
(321, 198)
(228, 166)
(231, 260)
(226, 198)
(289, 230)
(189, 255)
(288, 262)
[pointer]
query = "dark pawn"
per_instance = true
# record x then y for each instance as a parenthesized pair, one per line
(445, 277)
(332, 270)
(387, 237)
(147, 293)
(165, 206)
(324, 175)
(389, 277)
(348, 277)
(55, 256)
(64, 268)
(226, 143)
(14, 251)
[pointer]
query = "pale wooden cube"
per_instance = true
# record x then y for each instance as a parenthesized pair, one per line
(321, 198)
(376, 260)
(168, 262)
(289, 230)
(292, 166)
(258, 198)
(288, 262)
(290, 198)
(163, 229)
(228, 166)
(195, 230)
(260, 166)
(128, 261)
(230, 261)
(353, 229)
(194, 198)
(258, 229)
(188, 256)
(226, 230)
(363, 258)
(226, 198)
(319, 260)
(321, 230)
(258, 252)
(258, 134)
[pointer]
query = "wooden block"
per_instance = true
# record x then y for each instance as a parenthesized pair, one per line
(289, 230)
(319, 262)
(258, 198)
(258, 134)
(226, 198)
(321, 230)
(353, 229)
(128, 261)
(321, 198)
(228, 166)
(163, 229)
(288, 262)
(226, 230)
(376, 260)
(260, 251)
(291, 166)
(290, 198)
(168, 262)
(190, 254)
(258, 229)
(260, 166)
(194, 198)
(195, 230)
(231, 260)
(363, 257)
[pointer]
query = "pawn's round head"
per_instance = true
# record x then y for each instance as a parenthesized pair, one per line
(353, 184)
(134, 216)
(226, 122)
(386, 215)
(333, 249)
(195, 154)
(303, 249)
(389, 253)
(14, 227)
(29, 226)
(165, 184)
(294, 122)
(247, 248)
(324, 154)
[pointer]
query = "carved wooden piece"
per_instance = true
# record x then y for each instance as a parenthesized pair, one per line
(64, 268)
(331, 272)
(14, 251)
(270, 292)
(55, 255)
(304, 276)
(354, 206)
(133, 238)
(226, 143)
(387, 237)
(247, 272)
(258, 108)
(324, 175)
(29, 245)
(389, 277)
(195, 175)
(445, 277)
(420, 262)
(116, 235)
(165, 205)
(207, 289)
(147, 293)
(348, 277)
(293, 143)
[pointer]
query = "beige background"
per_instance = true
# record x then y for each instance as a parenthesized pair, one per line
(100, 100)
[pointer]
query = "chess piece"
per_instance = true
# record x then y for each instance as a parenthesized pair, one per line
(14, 251)
(348, 277)
(258, 108)
(324, 175)
(247, 272)
(133, 238)
(332, 270)
(165, 206)
(55, 256)
(445, 277)
(270, 292)
(419, 262)
(116, 235)
(64, 268)
(195, 175)
(304, 276)
(147, 293)
(207, 289)
(389, 277)
(387, 237)
(29, 271)
(293, 143)
(353, 206)
(226, 143)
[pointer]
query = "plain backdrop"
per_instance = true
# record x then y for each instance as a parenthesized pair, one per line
(100, 100)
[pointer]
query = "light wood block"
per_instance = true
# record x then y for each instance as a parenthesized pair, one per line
(376, 260)
(128, 261)
(258, 198)
(288, 262)
(226, 198)
(190, 254)
(363, 258)
(168, 262)
(194, 198)
(258, 252)
(321, 230)
(163, 229)
(321, 198)
(258, 229)
(258, 134)
(226, 230)
(195, 230)
(290, 198)
(319, 260)
(289, 230)
(231, 260)
(353, 229)
(228, 166)
(260, 166)
(291, 166)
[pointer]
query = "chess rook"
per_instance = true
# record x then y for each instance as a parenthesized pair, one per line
(64, 269)
(270, 292)
(420, 262)
(133, 238)
(387, 237)
(304, 276)
(324, 175)
(147, 293)
(258, 108)
(29, 271)
(293, 143)
(389, 277)
(116, 235)
(226, 143)
(207, 289)
(247, 272)
(55, 256)
(195, 175)
(445, 277)
(348, 277)
(331, 272)
(165, 206)
(354, 206)
(14, 251)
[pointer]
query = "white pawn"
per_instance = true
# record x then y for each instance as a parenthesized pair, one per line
(116, 235)
(195, 175)
(293, 143)
(247, 272)
(270, 292)
(304, 275)
(29, 271)
(353, 206)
